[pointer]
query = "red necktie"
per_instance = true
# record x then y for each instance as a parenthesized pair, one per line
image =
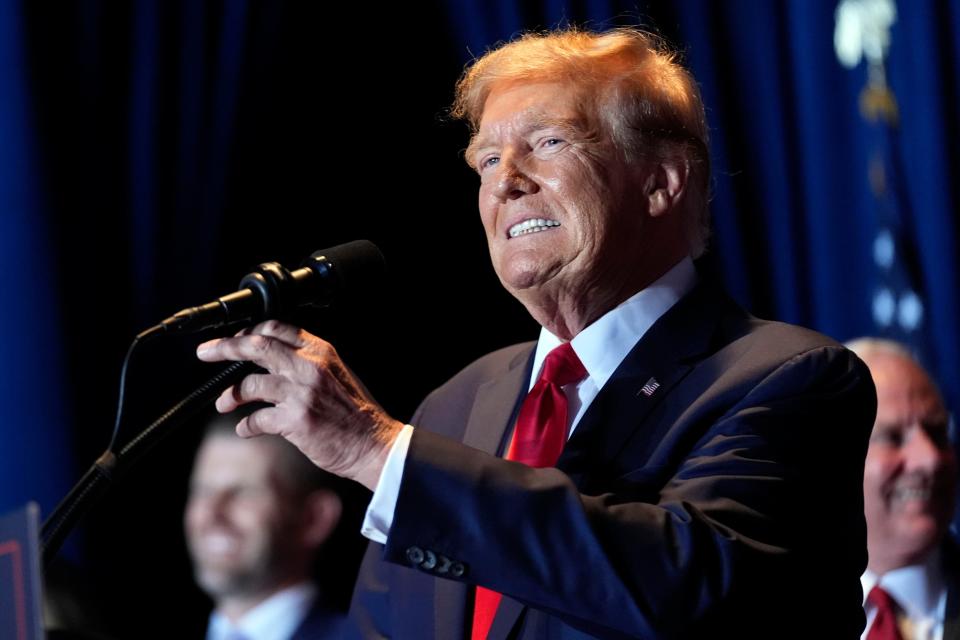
(538, 439)
(884, 625)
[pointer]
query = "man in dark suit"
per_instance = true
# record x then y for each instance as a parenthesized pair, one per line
(909, 487)
(711, 481)
(257, 516)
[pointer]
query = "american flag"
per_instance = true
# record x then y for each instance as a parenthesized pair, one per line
(898, 305)
(651, 386)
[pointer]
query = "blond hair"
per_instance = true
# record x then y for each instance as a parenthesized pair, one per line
(649, 103)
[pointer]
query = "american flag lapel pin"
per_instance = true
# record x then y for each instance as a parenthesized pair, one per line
(651, 386)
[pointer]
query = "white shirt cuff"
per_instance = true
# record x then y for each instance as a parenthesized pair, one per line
(379, 517)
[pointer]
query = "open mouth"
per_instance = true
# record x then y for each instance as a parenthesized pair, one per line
(217, 544)
(531, 225)
(912, 493)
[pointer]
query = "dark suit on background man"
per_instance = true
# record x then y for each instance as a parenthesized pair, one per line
(716, 446)
(713, 480)
(951, 570)
(322, 623)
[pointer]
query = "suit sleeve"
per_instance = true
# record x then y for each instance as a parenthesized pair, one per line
(764, 503)
(373, 606)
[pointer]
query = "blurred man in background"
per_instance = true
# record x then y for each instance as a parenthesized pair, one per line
(257, 515)
(911, 582)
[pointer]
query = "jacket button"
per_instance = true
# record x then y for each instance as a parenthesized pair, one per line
(430, 562)
(415, 555)
(444, 566)
(457, 569)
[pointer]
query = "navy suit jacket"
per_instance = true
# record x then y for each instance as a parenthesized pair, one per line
(726, 503)
(321, 623)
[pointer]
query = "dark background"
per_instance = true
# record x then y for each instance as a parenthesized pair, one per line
(155, 152)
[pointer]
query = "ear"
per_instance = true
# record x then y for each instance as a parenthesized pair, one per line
(665, 185)
(321, 513)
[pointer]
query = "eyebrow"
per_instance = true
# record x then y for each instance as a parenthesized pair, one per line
(538, 122)
(937, 420)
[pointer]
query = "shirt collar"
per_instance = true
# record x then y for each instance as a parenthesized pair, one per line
(604, 344)
(917, 589)
(276, 618)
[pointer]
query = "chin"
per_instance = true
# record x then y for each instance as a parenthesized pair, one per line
(920, 539)
(518, 282)
(214, 582)
(519, 276)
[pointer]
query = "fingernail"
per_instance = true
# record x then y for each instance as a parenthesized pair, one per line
(224, 400)
(204, 347)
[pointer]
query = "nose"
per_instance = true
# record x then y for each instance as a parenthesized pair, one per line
(512, 181)
(210, 507)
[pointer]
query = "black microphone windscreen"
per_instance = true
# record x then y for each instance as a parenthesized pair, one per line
(356, 264)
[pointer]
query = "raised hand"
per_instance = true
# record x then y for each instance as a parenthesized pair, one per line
(318, 404)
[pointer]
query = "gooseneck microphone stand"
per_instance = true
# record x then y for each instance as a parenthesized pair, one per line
(271, 291)
(111, 464)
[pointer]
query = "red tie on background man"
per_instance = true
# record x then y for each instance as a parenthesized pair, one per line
(538, 439)
(884, 625)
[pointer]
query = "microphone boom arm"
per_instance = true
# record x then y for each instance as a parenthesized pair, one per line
(98, 479)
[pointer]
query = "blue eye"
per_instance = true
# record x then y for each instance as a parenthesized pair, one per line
(489, 161)
(550, 143)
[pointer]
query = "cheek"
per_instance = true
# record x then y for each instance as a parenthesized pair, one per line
(257, 516)
(580, 184)
(875, 507)
(487, 209)
(194, 514)
(589, 201)
(878, 470)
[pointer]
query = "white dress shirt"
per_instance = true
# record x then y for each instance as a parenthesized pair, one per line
(921, 593)
(276, 618)
(601, 347)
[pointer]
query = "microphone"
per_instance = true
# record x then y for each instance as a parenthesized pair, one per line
(272, 291)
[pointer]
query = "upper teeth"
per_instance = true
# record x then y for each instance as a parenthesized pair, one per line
(908, 493)
(218, 544)
(531, 226)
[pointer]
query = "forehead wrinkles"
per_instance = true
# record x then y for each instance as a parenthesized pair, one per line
(524, 122)
(230, 458)
(913, 396)
(899, 381)
(926, 413)
(523, 125)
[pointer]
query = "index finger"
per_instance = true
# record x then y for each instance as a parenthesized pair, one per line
(287, 333)
(270, 353)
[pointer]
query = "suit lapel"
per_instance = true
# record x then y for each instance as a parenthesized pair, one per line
(951, 620)
(496, 405)
(507, 618)
(656, 364)
(491, 416)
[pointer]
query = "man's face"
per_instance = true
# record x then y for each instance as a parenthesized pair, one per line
(560, 205)
(241, 522)
(910, 470)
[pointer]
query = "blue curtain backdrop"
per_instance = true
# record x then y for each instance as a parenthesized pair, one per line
(35, 460)
(103, 210)
(155, 151)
